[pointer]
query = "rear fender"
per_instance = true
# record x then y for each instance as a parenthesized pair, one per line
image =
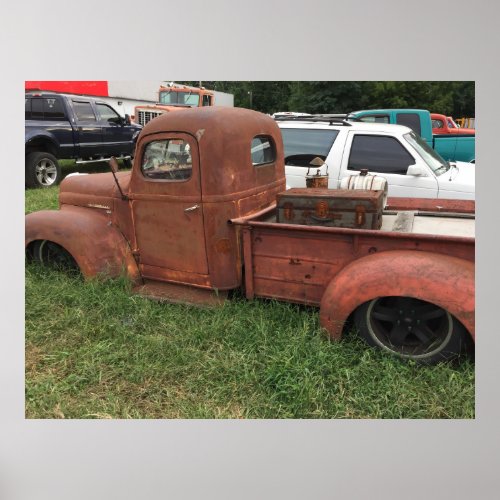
(443, 280)
(88, 235)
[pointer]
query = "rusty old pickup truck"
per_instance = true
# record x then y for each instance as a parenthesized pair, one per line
(196, 218)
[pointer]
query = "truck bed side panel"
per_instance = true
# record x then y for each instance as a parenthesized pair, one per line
(297, 264)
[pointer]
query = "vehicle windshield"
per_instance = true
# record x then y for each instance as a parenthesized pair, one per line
(185, 98)
(438, 165)
(451, 123)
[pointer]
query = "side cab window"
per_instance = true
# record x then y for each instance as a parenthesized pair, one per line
(84, 111)
(379, 153)
(410, 120)
(107, 113)
(167, 160)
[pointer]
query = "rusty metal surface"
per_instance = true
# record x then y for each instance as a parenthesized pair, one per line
(331, 207)
(88, 235)
(431, 205)
(444, 280)
(296, 263)
(224, 184)
(180, 294)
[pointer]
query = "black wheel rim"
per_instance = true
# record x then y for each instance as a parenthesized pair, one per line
(54, 255)
(409, 327)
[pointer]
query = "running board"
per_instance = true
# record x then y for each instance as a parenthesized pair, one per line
(180, 294)
(99, 160)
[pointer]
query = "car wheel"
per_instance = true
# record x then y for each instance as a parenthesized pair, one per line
(411, 329)
(51, 254)
(42, 170)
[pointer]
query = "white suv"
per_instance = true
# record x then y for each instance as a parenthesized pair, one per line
(411, 167)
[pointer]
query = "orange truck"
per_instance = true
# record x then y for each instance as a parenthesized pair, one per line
(196, 218)
(174, 97)
(442, 124)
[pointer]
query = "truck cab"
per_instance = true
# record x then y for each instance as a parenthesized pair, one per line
(452, 147)
(442, 124)
(191, 174)
(173, 98)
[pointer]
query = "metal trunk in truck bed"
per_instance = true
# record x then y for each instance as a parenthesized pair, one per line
(333, 208)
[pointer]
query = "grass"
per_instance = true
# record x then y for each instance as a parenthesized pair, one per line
(94, 350)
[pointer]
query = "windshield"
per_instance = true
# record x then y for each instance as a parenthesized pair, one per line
(436, 163)
(174, 98)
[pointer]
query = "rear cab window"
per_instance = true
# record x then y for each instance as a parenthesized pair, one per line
(262, 150)
(44, 108)
(302, 145)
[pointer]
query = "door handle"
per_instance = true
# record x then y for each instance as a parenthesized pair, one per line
(190, 209)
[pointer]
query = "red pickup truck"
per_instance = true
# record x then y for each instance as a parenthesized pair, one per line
(442, 124)
(196, 218)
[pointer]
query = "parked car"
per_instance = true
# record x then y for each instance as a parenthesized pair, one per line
(460, 147)
(411, 167)
(442, 124)
(60, 126)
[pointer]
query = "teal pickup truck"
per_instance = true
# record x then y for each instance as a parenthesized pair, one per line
(451, 147)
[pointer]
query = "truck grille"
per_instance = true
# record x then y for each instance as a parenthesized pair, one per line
(146, 116)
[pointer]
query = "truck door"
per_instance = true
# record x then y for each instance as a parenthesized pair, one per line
(165, 190)
(386, 156)
(117, 138)
(88, 129)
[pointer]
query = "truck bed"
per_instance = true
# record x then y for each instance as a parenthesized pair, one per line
(295, 263)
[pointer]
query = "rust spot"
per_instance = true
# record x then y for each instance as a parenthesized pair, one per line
(372, 249)
(321, 209)
(223, 246)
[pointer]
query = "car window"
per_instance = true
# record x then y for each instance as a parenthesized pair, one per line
(37, 109)
(44, 108)
(307, 143)
(375, 118)
(379, 153)
(262, 150)
(206, 100)
(84, 111)
(53, 109)
(107, 113)
(437, 123)
(410, 120)
(168, 159)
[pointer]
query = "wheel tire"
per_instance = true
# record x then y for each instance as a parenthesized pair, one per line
(50, 254)
(42, 170)
(411, 329)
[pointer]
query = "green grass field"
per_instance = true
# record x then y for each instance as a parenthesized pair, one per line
(94, 350)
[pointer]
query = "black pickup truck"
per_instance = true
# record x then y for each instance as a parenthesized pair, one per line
(59, 126)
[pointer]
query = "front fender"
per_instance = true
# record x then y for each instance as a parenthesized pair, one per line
(88, 235)
(443, 280)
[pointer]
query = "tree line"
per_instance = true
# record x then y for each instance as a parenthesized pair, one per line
(454, 98)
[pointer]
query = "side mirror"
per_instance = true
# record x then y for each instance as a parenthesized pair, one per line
(127, 119)
(113, 164)
(417, 171)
